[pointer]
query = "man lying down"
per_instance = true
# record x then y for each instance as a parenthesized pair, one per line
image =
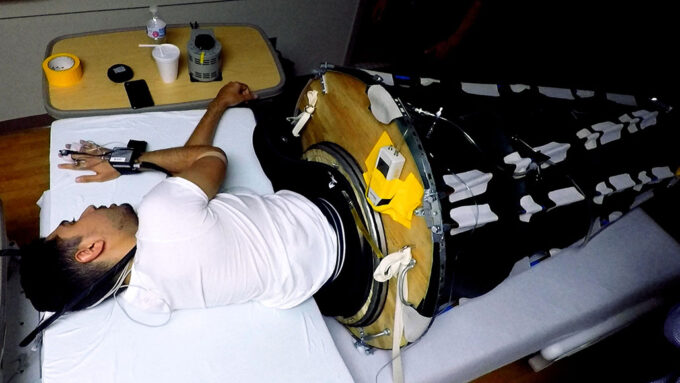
(188, 244)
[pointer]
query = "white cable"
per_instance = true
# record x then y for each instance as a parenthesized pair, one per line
(116, 286)
(119, 285)
(165, 303)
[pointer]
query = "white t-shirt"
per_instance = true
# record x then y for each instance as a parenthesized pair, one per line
(194, 252)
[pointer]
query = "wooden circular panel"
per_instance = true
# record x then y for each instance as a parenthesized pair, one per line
(343, 117)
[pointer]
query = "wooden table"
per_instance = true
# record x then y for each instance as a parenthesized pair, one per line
(247, 56)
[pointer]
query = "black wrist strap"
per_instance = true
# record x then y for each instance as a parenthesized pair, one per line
(138, 147)
(124, 159)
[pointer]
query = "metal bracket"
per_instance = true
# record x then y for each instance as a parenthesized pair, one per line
(427, 210)
(324, 88)
(321, 74)
(363, 338)
(402, 276)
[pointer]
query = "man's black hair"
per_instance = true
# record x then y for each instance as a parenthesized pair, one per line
(51, 276)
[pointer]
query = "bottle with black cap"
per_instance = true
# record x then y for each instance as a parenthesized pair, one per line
(155, 27)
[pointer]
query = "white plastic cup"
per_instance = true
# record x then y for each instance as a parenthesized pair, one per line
(167, 60)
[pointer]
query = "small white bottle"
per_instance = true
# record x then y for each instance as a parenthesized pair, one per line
(155, 27)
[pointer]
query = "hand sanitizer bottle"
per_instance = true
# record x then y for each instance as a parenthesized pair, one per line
(155, 27)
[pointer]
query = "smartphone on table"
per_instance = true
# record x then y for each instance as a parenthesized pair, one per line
(138, 94)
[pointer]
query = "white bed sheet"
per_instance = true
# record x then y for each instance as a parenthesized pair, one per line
(240, 343)
(578, 295)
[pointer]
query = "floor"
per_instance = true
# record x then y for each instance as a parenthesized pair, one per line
(19, 365)
(24, 175)
(637, 354)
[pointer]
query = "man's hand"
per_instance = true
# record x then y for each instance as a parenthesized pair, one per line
(233, 94)
(90, 161)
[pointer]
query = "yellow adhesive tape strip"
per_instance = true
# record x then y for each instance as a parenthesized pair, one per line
(62, 69)
(405, 196)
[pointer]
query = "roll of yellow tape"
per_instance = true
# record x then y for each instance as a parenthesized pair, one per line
(62, 69)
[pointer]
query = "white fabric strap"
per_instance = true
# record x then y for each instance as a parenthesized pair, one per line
(301, 119)
(610, 131)
(467, 184)
(530, 208)
(555, 150)
(471, 216)
(562, 93)
(518, 88)
(480, 89)
(565, 196)
(392, 266)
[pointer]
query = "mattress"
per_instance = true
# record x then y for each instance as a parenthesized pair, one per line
(239, 343)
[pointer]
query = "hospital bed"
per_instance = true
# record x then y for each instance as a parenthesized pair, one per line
(246, 342)
(553, 309)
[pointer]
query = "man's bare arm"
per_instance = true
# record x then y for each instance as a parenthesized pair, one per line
(198, 161)
(203, 165)
(230, 95)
